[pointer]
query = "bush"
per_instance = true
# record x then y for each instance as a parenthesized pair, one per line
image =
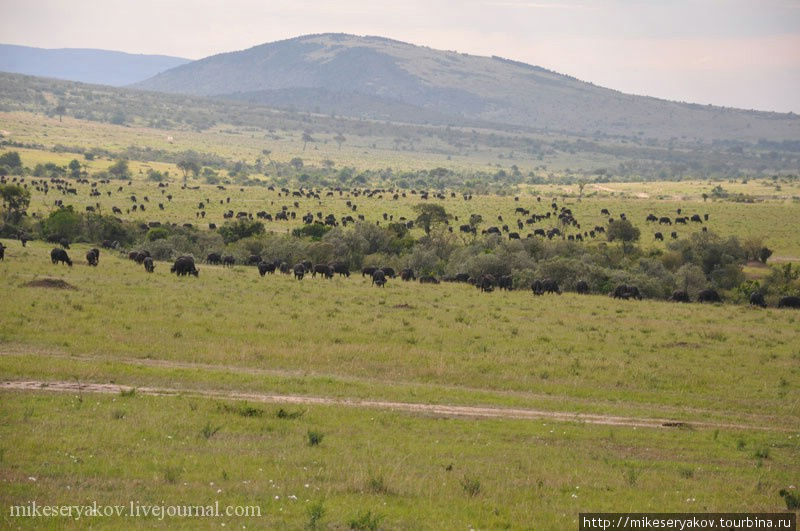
(236, 230)
(314, 437)
(157, 233)
(315, 231)
(62, 224)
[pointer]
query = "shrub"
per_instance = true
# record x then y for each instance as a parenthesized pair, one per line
(471, 485)
(366, 520)
(157, 233)
(236, 230)
(314, 437)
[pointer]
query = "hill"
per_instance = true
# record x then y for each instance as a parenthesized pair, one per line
(350, 74)
(101, 67)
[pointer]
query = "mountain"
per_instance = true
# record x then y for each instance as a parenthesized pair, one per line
(101, 67)
(387, 79)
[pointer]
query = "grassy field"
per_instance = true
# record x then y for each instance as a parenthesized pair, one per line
(437, 406)
(230, 331)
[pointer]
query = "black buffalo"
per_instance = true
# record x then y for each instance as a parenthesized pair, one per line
(680, 295)
(2, 252)
(624, 291)
(265, 267)
(379, 278)
(485, 282)
(253, 259)
(325, 270)
(183, 266)
(341, 268)
(540, 287)
(299, 271)
(757, 299)
(214, 259)
(407, 274)
(708, 295)
(93, 257)
(582, 287)
(368, 271)
(60, 255)
(428, 279)
(228, 261)
(789, 302)
(505, 282)
(388, 271)
(149, 266)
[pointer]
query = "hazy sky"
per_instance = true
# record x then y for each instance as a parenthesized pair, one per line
(742, 53)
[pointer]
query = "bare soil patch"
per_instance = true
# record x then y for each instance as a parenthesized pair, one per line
(53, 283)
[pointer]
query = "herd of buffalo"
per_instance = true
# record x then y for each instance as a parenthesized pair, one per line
(185, 265)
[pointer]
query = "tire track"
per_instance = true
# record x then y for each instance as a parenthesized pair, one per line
(439, 410)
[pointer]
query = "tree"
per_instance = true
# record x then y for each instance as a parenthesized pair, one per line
(74, 168)
(236, 230)
(624, 231)
(15, 200)
(306, 139)
(187, 166)
(60, 110)
(11, 161)
(120, 169)
(429, 215)
(296, 163)
(339, 139)
(64, 223)
(581, 186)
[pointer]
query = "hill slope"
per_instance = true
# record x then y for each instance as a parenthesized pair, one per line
(101, 67)
(350, 75)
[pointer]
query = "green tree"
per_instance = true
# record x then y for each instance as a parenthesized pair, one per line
(64, 223)
(236, 230)
(339, 139)
(296, 163)
(11, 161)
(120, 169)
(74, 168)
(622, 230)
(15, 200)
(60, 110)
(428, 215)
(188, 166)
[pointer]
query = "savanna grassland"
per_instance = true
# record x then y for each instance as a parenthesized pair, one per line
(310, 398)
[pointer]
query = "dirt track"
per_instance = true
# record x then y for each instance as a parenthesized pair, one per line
(427, 409)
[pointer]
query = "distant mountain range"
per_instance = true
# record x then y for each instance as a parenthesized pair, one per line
(101, 67)
(378, 78)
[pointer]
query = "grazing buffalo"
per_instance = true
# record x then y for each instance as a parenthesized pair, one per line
(789, 302)
(388, 271)
(253, 259)
(379, 278)
(708, 295)
(540, 287)
(299, 271)
(264, 268)
(664, 221)
(183, 266)
(325, 270)
(284, 268)
(659, 236)
(428, 279)
(680, 295)
(624, 291)
(582, 287)
(228, 261)
(505, 282)
(341, 268)
(368, 271)
(757, 299)
(407, 274)
(93, 257)
(485, 282)
(214, 259)
(149, 266)
(2, 252)
(60, 255)
(462, 277)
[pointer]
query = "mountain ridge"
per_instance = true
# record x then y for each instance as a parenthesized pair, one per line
(87, 65)
(457, 86)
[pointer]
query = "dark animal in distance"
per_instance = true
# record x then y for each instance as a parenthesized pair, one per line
(485, 283)
(149, 266)
(299, 271)
(789, 302)
(60, 255)
(407, 274)
(708, 295)
(379, 278)
(93, 257)
(582, 287)
(624, 291)
(757, 299)
(680, 295)
(184, 265)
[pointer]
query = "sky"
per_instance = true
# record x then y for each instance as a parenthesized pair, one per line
(736, 53)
